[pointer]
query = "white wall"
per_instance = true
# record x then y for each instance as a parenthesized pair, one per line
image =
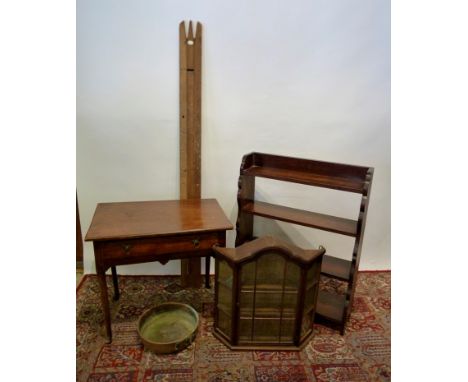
(301, 78)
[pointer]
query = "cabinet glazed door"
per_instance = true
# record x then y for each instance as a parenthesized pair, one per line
(268, 299)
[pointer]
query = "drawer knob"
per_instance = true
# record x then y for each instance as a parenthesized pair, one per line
(126, 248)
(196, 242)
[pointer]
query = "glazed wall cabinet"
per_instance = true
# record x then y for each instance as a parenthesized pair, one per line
(266, 294)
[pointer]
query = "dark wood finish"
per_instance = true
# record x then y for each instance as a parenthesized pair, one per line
(139, 232)
(245, 195)
(79, 238)
(235, 306)
(215, 314)
(343, 177)
(190, 50)
(127, 220)
(207, 271)
(258, 345)
(310, 172)
(252, 251)
(115, 281)
(358, 243)
(336, 268)
(131, 251)
(101, 275)
(309, 219)
(331, 306)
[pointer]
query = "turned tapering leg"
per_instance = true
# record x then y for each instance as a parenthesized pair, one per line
(207, 271)
(105, 302)
(115, 281)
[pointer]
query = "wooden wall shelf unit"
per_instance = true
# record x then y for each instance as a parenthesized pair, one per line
(337, 176)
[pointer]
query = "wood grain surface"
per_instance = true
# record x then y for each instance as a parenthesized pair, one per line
(190, 45)
(190, 51)
(156, 218)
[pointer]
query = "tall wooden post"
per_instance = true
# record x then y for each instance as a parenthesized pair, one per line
(190, 131)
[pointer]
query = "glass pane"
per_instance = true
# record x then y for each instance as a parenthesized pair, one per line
(267, 304)
(310, 298)
(270, 271)
(287, 330)
(224, 323)
(246, 304)
(289, 303)
(293, 276)
(224, 299)
(313, 274)
(268, 299)
(306, 324)
(266, 330)
(224, 303)
(245, 329)
(248, 275)
(224, 273)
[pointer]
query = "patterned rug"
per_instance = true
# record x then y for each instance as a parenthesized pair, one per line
(362, 354)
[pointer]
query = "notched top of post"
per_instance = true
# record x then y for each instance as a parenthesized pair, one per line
(191, 37)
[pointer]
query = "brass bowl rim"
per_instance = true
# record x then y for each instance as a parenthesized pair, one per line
(146, 313)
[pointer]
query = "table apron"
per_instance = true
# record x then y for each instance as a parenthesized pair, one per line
(164, 248)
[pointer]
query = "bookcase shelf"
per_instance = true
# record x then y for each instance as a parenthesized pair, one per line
(343, 177)
(309, 219)
(331, 307)
(351, 185)
(336, 268)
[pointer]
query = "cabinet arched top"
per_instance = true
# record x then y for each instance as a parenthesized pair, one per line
(256, 248)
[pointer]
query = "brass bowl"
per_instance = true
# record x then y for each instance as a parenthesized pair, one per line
(168, 327)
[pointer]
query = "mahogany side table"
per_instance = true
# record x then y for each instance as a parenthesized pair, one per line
(139, 232)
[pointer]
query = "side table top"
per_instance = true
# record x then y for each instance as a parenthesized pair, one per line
(126, 220)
